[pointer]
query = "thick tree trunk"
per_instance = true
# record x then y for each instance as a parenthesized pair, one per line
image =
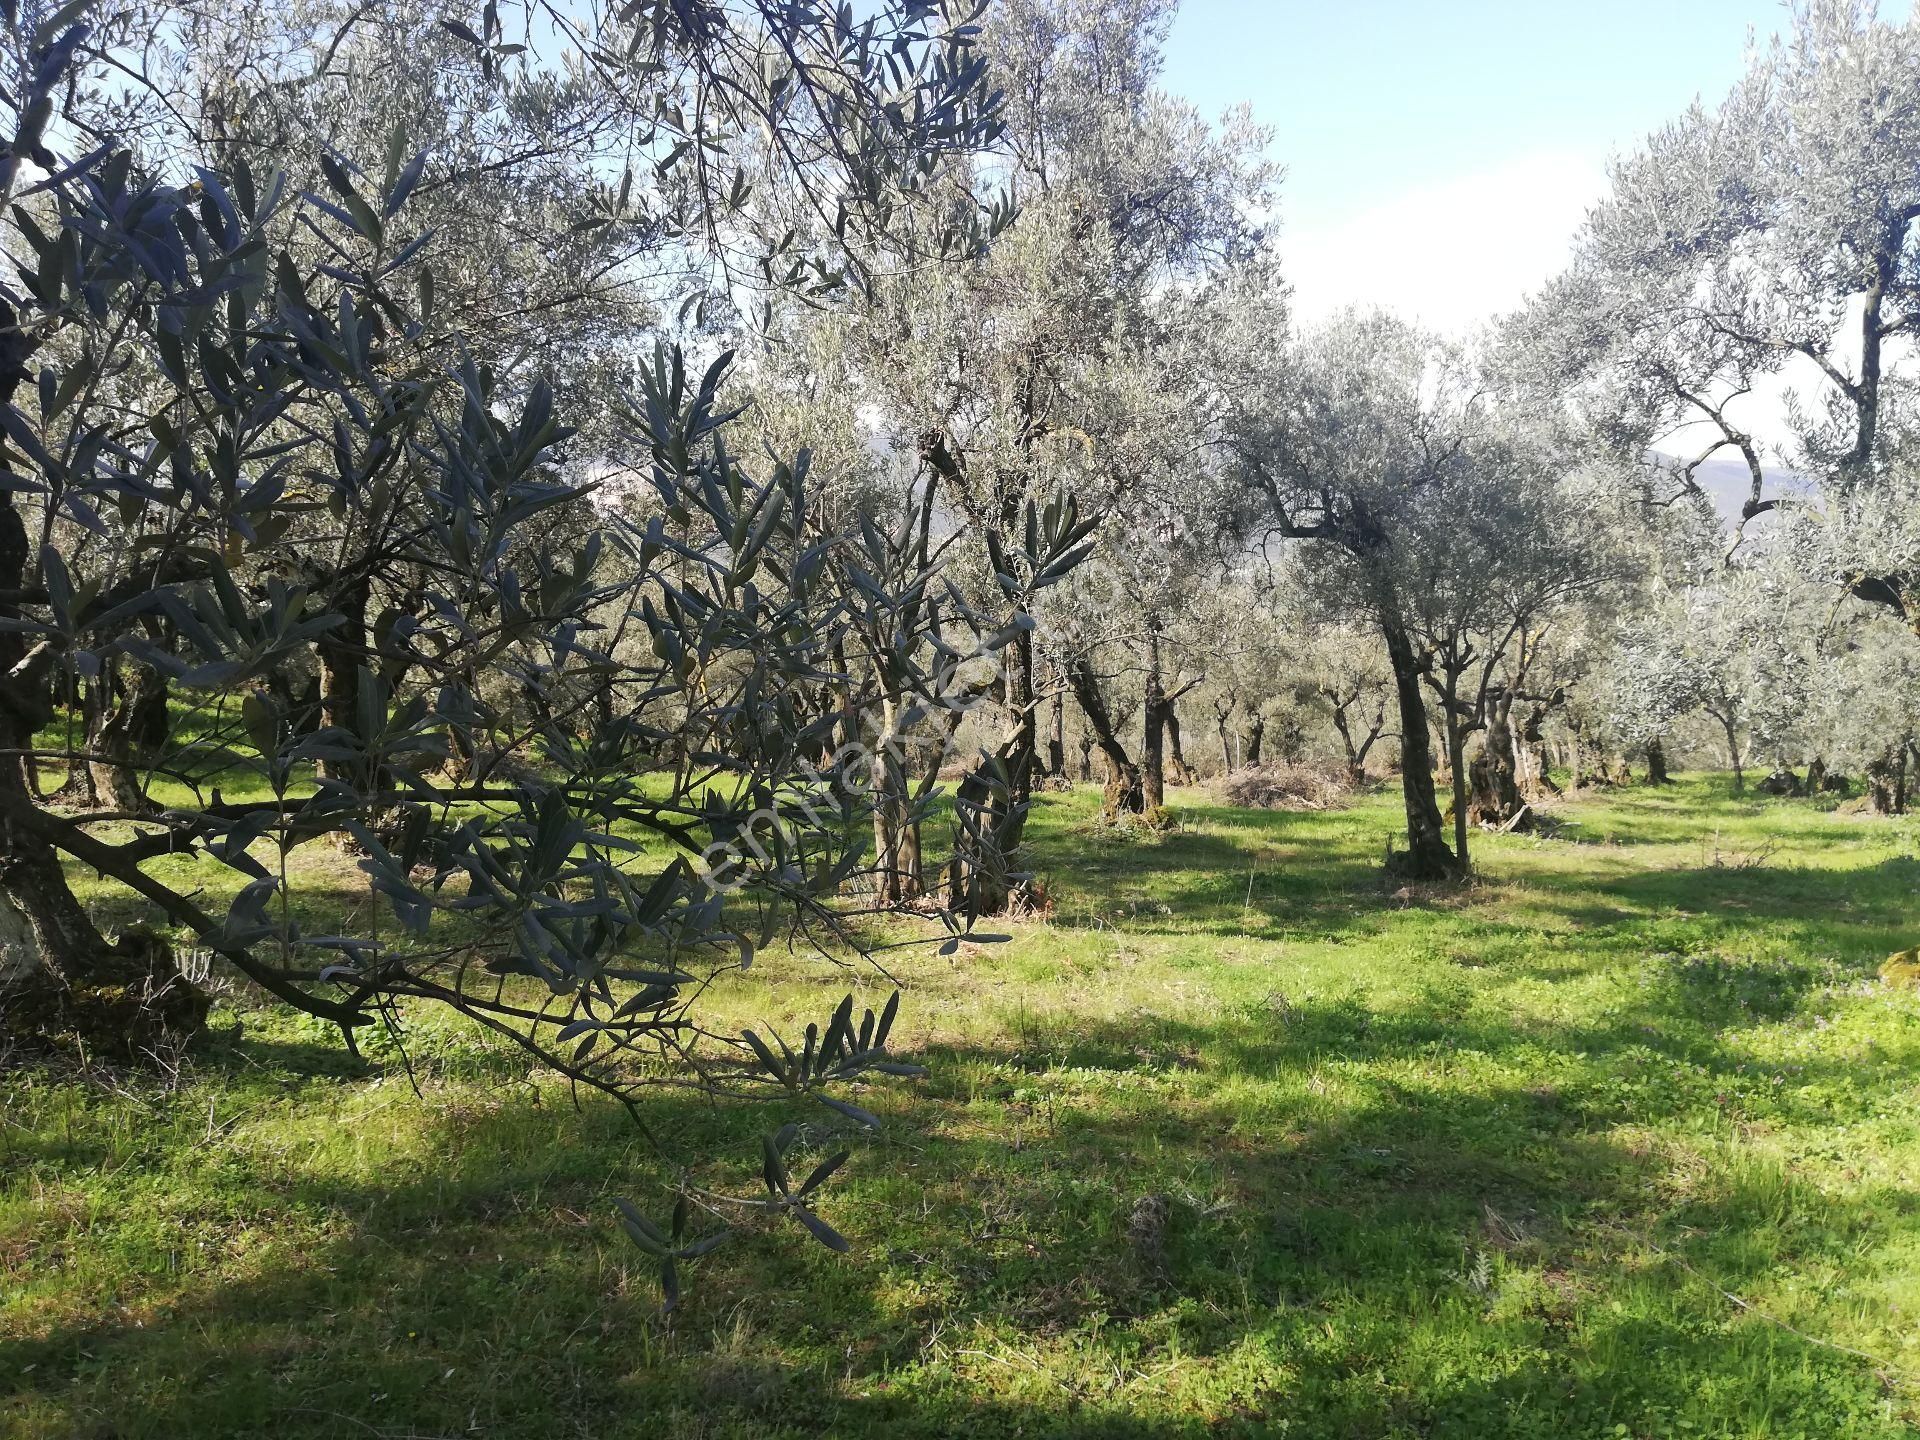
(1256, 733)
(1580, 754)
(58, 975)
(996, 796)
(1657, 763)
(1176, 752)
(897, 855)
(46, 939)
(1530, 745)
(1125, 792)
(1153, 765)
(342, 654)
(131, 733)
(1427, 856)
(1494, 778)
(1086, 755)
(1883, 793)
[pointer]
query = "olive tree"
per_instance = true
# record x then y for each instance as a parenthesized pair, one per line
(1763, 242)
(572, 746)
(1358, 424)
(1065, 367)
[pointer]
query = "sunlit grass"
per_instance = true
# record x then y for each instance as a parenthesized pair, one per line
(1239, 1139)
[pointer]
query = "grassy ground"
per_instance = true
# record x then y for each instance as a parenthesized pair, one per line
(1620, 1142)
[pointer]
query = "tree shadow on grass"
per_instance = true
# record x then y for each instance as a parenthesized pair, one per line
(1323, 1215)
(1853, 917)
(1428, 1218)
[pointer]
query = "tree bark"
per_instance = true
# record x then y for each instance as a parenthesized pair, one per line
(132, 731)
(896, 834)
(1657, 763)
(1057, 732)
(1427, 856)
(1494, 776)
(1153, 769)
(1125, 792)
(1222, 715)
(58, 974)
(998, 796)
(1176, 752)
(1256, 733)
(1531, 746)
(1883, 793)
(1356, 751)
(342, 654)
(1731, 730)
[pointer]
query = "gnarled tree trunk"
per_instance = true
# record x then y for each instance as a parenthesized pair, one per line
(1427, 856)
(1657, 763)
(1883, 794)
(131, 732)
(1356, 750)
(1256, 734)
(1153, 767)
(1493, 787)
(1125, 792)
(1176, 752)
(996, 794)
(1531, 741)
(1222, 714)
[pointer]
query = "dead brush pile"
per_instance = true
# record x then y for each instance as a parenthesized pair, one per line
(1287, 787)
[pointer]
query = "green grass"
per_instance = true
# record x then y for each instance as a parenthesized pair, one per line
(1621, 1141)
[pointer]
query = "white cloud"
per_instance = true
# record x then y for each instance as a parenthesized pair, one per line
(1453, 254)
(1457, 253)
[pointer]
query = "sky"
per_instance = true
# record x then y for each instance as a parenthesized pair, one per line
(1440, 154)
